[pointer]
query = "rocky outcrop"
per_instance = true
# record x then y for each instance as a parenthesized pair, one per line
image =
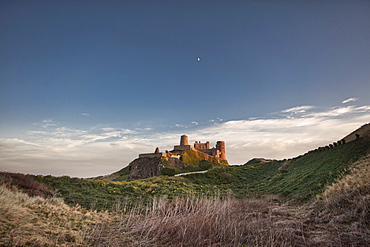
(145, 168)
(174, 162)
(150, 167)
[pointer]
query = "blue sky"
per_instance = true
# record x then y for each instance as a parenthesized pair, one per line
(85, 86)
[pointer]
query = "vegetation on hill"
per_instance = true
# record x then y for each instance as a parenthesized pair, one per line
(193, 158)
(340, 217)
(121, 175)
(226, 206)
(37, 221)
(299, 179)
(26, 184)
(193, 161)
(343, 209)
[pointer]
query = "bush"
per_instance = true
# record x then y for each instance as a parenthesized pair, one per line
(26, 183)
(168, 171)
(204, 165)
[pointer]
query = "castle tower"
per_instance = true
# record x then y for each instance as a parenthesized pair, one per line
(184, 140)
(221, 147)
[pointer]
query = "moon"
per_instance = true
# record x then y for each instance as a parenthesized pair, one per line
(198, 59)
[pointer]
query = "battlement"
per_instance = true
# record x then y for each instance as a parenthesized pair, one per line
(182, 147)
(219, 151)
(152, 155)
(199, 145)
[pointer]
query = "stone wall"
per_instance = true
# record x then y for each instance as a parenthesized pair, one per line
(152, 155)
(212, 152)
(145, 168)
(182, 147)
(199, 145)
(175, 162)
(148, 167)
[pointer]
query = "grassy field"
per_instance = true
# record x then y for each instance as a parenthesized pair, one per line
(299, 179)
(338, 217)
(317, 199)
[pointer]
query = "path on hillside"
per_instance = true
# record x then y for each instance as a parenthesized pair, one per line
(184, 174)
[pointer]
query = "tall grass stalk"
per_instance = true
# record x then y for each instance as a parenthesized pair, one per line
(36, 221)
(345, 207)
(194, 221)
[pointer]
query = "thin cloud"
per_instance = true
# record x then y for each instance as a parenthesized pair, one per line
(107, 129)
(62, 137)
(60, 150)
(276, 137)
(285, 137)
(46, 123)
(349, 100)
(298, 109)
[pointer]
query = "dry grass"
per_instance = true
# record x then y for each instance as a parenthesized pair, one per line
(26, 184)
(341, 217)
(36, 221)
(357, 180)
(215, 222)
(204, 222)
(343, 213)
(188, 221)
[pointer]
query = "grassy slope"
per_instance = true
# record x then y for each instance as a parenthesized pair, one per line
(193, 158)
(121, 175)
(38, 221)
(303, 178)
(105, 195)
(339, 218)
(345, 208)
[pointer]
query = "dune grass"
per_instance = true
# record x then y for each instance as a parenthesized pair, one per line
(38, 221)
(339, 217)
(227, 206)
(344, 207)
(216, 222)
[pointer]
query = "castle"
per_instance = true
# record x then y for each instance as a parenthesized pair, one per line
(151, 164)
(219, 151)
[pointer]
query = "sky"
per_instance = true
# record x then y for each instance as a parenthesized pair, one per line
(86, 86)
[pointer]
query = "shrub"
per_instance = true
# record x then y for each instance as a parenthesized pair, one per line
(26, 183)
(204, 165)
(168, 171)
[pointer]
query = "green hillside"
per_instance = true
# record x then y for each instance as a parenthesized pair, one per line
(300, 179)
(226, 204)
(303, 177)
(121, 175)
(194, 158)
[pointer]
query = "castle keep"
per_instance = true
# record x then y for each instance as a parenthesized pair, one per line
(218, 152)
